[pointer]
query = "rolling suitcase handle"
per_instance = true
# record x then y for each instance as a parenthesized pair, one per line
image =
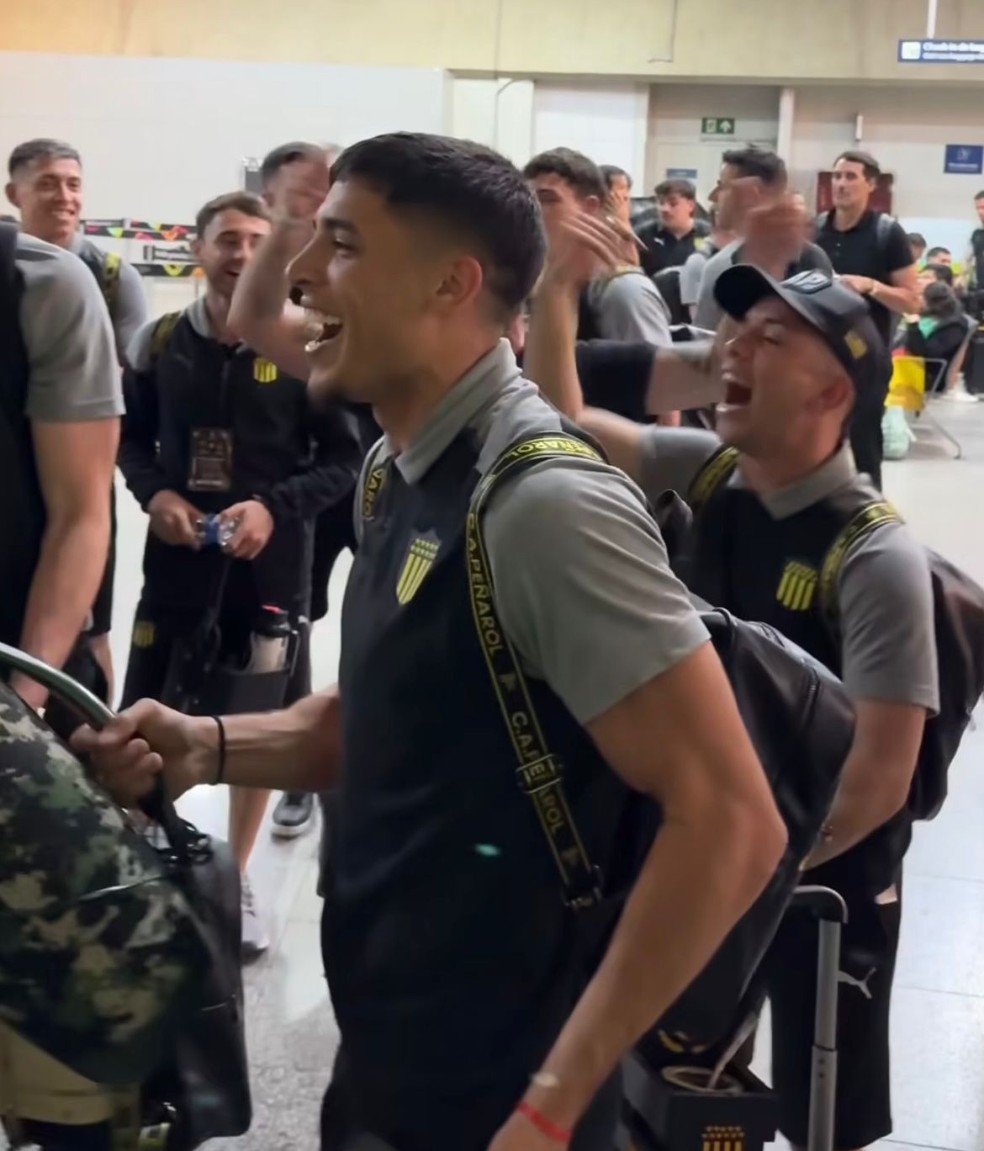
(830, 911)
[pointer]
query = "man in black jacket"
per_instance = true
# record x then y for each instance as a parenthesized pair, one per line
(212, 429)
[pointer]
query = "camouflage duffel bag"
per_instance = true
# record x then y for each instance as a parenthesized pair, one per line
(102, 955)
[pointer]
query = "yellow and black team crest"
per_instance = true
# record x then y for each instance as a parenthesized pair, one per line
(724, 1139)
(798, 587)
(144, 634)
(264, 372)
(421, 555)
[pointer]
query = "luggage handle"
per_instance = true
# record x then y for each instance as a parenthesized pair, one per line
(826, 904)
(185, 840)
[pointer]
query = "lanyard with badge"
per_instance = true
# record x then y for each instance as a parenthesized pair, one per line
(211, 449)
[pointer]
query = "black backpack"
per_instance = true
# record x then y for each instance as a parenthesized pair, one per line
(958, 609)
(801, 723)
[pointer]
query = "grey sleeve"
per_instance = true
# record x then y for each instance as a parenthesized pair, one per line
(690, 277)
(137, 353)
(709, 315)
(630, 308)
(75, 375)
(583, 587)
(672, 457)
(131, 308)
(885, 606)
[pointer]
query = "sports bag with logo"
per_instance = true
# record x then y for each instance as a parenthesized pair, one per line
(801, 723)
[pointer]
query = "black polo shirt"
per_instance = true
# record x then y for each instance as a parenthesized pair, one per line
(868, 250)
(663, 249)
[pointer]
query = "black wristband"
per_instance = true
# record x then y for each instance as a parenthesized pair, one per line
(220, 772)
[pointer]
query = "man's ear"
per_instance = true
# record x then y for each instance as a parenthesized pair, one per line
(592, 204)
(196, 248)
(463, 281)
(10, 191)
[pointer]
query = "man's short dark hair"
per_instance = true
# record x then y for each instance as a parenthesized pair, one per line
(465, 187)
(759, 163)
(872, 169)
(682, 188)
(979, 196)
(937, 251)
(286, 154)
(244, 202)
(916, 239)
(28, 153)
(612, 172)
(574, 168)
(942, 273)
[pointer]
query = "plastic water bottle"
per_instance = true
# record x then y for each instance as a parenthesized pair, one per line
(270, 641)
(214, 532)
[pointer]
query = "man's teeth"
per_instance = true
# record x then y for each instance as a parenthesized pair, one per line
(320, 328)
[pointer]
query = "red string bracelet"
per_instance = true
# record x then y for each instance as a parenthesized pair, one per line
(544, 1125)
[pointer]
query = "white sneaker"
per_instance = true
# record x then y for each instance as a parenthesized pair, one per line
(256, 938)
(958, 394)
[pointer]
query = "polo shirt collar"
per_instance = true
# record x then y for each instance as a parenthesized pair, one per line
(839, 472)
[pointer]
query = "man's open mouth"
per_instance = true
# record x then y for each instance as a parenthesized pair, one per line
(736, 395)
(321, 329)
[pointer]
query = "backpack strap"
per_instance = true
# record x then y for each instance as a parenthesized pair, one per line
(372, 485)
(868, 519)
(111, 282)
(713, 474)
(161, 334)
(539, 773)
(884, 226)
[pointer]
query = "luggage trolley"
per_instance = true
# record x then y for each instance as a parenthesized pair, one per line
(727, 1108)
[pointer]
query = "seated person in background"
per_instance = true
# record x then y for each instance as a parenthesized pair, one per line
(940, 256)
(623, 303)
(935, 274)
(940, 333)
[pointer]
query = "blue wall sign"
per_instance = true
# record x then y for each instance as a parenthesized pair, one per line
(964, 160)
(941, 51)
(681, 174)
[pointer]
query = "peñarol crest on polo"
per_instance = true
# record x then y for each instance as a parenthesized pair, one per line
(419, 560)
(798, 586)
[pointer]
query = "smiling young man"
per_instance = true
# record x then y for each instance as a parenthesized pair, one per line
(46, 186)
(793, 359)
(211, 428)
(452, 958)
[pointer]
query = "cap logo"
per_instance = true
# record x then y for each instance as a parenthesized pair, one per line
(856, 344)
(808, 282)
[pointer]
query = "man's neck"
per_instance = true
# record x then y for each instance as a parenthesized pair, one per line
(217, 309)
(847, 218)
(59, 237)
(678, 231)
(766, 476)
(412, 401)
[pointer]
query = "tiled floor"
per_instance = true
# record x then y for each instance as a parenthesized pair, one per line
(938, 1039)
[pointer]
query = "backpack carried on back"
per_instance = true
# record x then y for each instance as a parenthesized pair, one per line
(958, 609)
(801, 723)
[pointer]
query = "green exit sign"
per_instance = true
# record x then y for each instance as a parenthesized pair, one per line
(717, 126)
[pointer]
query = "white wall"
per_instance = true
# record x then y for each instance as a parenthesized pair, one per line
(498, 113)
(906, 129)
(674, 131)
(607, 123)
(160, 137)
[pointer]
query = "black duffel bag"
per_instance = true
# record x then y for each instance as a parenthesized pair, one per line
(801, 723)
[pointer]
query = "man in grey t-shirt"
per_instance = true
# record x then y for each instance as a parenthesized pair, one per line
(46, 185)
(785, 387)
(74, 403)
(750, 187)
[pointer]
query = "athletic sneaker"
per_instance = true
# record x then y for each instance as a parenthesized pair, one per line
(293, 814)
(256, 938)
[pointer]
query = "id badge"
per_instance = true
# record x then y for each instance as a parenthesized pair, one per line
(211, 460)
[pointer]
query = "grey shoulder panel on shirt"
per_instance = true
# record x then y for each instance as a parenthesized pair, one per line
(887, 624)
(138, 350)
(709, 314)
(583, 586)
(628, 307)
(672, 457)
(74, 374)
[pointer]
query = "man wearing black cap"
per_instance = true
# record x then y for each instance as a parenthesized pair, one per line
(769, 506)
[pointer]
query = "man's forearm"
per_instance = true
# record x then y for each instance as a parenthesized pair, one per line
(67, 577)
(262, 288)
(898, 300)
(298, 749)
(694, 887)
(549, 359)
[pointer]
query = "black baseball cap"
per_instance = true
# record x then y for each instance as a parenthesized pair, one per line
(834, 310)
